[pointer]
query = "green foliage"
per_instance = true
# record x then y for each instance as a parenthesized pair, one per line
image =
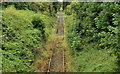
(95, 29)
(56, 6)
(22, 5)
(18, 43)
(39, 24)
(96, 61)
(67, 12)
(48, 7)
(65, 5)
(26, 5)
(23, 33)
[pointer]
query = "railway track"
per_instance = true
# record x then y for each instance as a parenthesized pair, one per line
(56, 60)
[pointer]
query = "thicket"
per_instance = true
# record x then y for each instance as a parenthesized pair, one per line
(67, 8)
(94, 35)
(65, 4)
(24, 33)
(39, 24)
(49, 8)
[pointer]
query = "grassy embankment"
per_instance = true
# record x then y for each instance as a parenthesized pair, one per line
(24, 48)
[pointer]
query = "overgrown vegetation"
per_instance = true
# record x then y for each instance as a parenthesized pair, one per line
(48, 8)
(91, 36)
(25, 33)
(94, 36)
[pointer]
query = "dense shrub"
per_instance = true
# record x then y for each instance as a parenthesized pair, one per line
(23, 34)
(51, 7)
(18, 49)
(26, 5)
(39, 24)
(68, 12)
(22, 5)
(95, 28)
(98, 23)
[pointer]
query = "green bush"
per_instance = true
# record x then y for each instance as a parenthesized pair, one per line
(46, 13)
(35, 6)
(95, 28)
(21, 40)
(39, 24)
(67, 12)
(22, 6)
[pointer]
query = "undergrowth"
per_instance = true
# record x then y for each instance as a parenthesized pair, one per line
(24, 44)
(87, 59)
